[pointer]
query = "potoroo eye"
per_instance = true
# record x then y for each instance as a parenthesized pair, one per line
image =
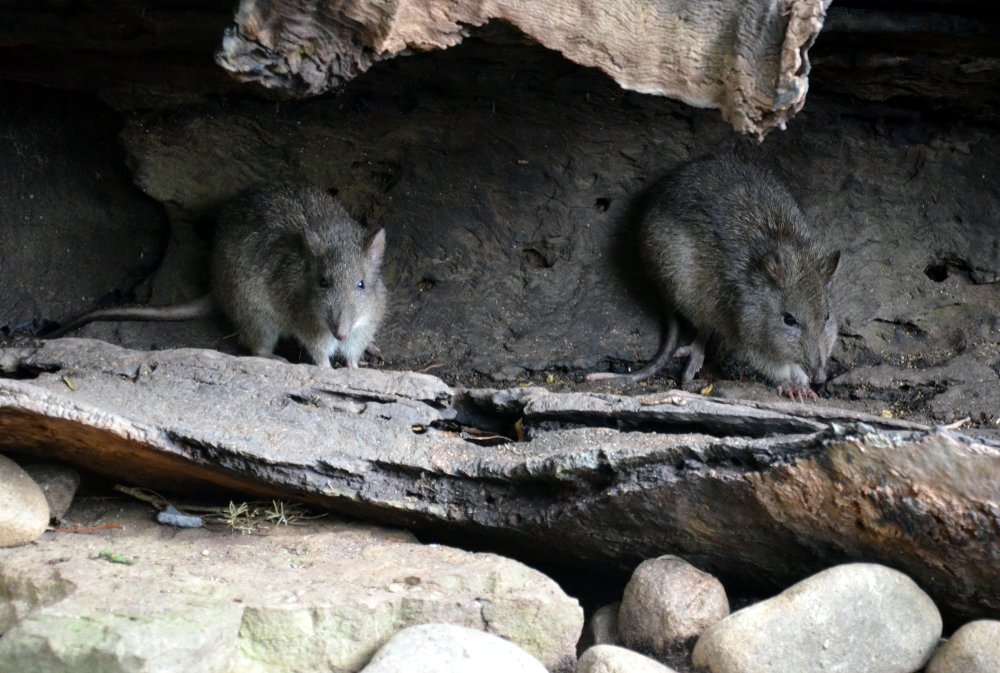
(790, 320)
(361, 284)
(324, 283)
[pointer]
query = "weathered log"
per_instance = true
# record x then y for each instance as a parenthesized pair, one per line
(766, 494)
(749, 59)
(138, 54)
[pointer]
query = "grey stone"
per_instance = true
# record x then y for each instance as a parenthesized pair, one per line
(602, 627)
(667, 603)
(58, 483)
(24, 512)
(612, 659)
(320, 595)
(974, 648)
(853, 617)
(445, 648)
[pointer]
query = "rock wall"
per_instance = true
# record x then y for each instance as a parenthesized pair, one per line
(507, 180)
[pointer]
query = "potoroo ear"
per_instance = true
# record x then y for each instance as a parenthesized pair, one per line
(830, 264)
(375, 249)
(312, 245)
(774, 268)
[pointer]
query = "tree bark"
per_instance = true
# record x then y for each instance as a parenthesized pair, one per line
(749, 59)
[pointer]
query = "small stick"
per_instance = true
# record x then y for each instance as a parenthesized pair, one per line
(87, 529)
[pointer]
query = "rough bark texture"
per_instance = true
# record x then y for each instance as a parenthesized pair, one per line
(139, 53)
(747, 58)
(763, 493)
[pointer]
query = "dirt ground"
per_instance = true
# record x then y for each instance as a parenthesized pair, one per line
(508, 178)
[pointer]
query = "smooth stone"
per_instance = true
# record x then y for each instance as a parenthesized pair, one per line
(613, 659)
(853, 617)
(59, 484)
(974, 648)
(667, 603)
(602, 627)
(446, 648)
(24, 512)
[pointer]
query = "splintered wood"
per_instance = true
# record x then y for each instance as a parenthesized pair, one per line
(749, 59)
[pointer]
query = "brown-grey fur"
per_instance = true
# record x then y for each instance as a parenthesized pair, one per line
(287, 260)
(729, 250)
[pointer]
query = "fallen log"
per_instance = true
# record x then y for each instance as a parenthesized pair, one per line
(749, 59)
(766, 493)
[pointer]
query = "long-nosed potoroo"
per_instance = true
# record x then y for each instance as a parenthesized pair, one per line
(287, 260)
(729, 250)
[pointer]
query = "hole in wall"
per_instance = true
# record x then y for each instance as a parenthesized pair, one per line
(937, 271)
(535, 259)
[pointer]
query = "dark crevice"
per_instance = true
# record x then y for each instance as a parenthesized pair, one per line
(472, 409)
(906, 326)
(304, 400)
(22, 371)
(937, 271)
(504, 415)
(441, 402)
(711, 425)
(535, 259)
(478, 436)
(942, 269)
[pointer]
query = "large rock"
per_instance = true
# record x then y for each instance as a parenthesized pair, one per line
(667, 603)
(441, 648)
(766, 493)
(24, 511)
(854, 617)
(974, 648)
(320, 595)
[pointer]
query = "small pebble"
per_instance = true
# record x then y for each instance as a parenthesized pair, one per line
(602, 627)
(59, 484)
(974, 648)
